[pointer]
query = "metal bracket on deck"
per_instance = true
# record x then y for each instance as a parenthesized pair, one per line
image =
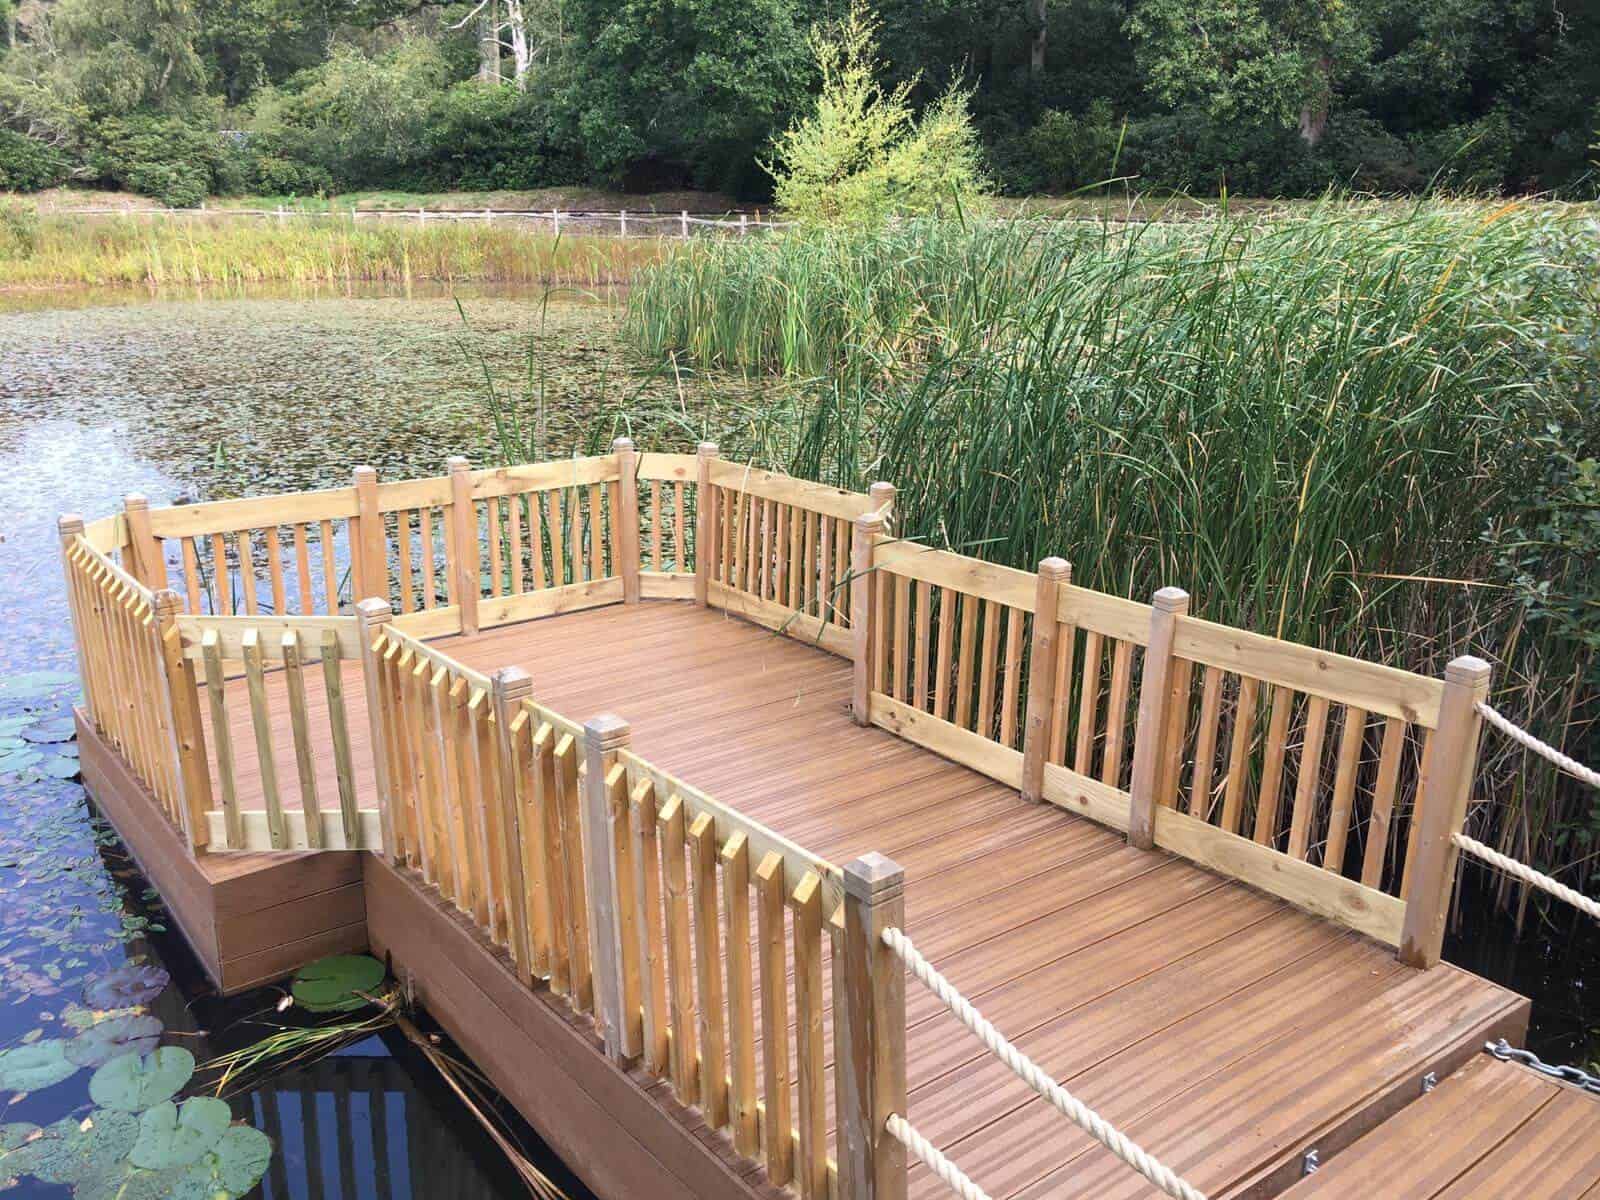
(1429, 1082)
(1309, 1164)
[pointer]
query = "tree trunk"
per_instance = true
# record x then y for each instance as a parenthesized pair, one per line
(521, 54)
(1314, 113)
(489, 44)
(1040, 32)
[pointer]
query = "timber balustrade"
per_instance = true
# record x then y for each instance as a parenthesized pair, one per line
(703, 943)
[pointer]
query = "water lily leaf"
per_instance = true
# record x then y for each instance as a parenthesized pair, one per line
(235, 1166)
(19, 760)
(332, 984)
(114, 1037)
(127, 986)
(59, 766)
(57, 729)
(135, 1082)
(35, 685)
(127, 1182)
(29, 1068)
(170, 1136)
(71, 1150)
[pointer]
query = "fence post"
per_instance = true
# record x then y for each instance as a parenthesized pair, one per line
(186, 739)
(1054, 574)
(148, 567)
(622, 219)
(705, 523)
(512, 685)
(872, 1162)
(371, 615)
(467, 567)
(370, 559)
(683, 222)
(863, 611)
(69, 526)
(626, 551)
(605, 821)
(1155, 697)
(1442, 809)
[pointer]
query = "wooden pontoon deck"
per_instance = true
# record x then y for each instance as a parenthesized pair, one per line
(669, 768)
(1224, 1029)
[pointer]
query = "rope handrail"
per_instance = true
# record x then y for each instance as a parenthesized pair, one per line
(1543, 749)
(954, 1177)
(1529, 876)
(1080, 1114)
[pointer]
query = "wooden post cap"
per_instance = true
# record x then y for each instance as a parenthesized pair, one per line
(1171, 599)
(1055, 568)
(1468, 670)
(873, 878)
(166, 602)
(362, 473)
(707, 449)
(870, 522)
(135, 500)
(69, 525)
(374, 611)
(622, 443)
(456, 464)
(512, 683)
(606, 732)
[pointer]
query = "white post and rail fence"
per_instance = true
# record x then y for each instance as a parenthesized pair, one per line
(690, 932)
(616, 222)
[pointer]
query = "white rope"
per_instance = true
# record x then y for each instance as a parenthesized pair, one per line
(1543, 749)
(1080, 1114)
(941, 1166)
(1528, 875)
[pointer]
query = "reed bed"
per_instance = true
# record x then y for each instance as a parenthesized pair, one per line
(53, 251)
(1336, 426)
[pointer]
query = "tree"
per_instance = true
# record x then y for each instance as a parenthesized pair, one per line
(680, 90)
(862, 155)
(1271, 60)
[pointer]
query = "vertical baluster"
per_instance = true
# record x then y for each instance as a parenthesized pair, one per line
(1351, 738)
(779, 1149)
(670, 821)
(430, 591)
(1310, 773)
(521, 843)
(402, 542)
(261, 723)
(1267, 802)
(1205, 746)
(1236, 788)
(1117, 713)
(272, 540)
(1012, 680)
(988, 669)
(741, 993)
(647, 922)
(222, 737)
(810, 1050)
(306, 601)
(708, 960)
(330, 568)
(300, 725)
(566, 760)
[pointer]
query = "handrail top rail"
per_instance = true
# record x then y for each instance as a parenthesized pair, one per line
(789, 489)
(114, 570)
(193, 627)
(475, 679)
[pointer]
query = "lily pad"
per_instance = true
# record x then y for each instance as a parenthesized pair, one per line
(35, 685)
(128, 1182)
(56, 729)
(235, 1166)
(61, 766)
(72, 1150)
(332, 985)
(170, 1136)
(127, 986)
(135, 1082)
(20, 759)
(114, 1037)
(31, 1067)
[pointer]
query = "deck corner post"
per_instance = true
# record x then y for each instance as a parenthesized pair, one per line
(1442, 801)
(513, 685)
(864, 539)
(605, 821)
(467, 565)
(705, 522)
(372, 615)
(883, 497)
(369, 557)
(626, 526)
(1150, 751)
(144, 549)
(180, 699)
(1053, 575)
(872, 1162)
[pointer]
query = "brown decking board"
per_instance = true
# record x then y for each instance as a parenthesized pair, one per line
(1221, 1028)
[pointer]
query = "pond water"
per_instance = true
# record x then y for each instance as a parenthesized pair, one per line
(190, 396)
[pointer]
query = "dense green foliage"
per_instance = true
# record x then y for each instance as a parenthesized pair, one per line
(1319, 425)
(1261, 96)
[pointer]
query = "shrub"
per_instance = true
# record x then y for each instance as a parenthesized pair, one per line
(174, 158)
(19, 230)
(1472, 157)
(1363, 155)
(27, 164)
(1191, 151)
(274, 176)
(1063, 152)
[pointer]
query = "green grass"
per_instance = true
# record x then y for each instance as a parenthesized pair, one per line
(1323, 425)
(55, 251)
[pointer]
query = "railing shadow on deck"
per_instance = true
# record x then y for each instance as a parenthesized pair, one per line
(630, 892)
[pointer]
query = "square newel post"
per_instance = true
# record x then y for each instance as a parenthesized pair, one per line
(1054, 574)
(144, 549)
(873, 1008)
(513, 685)
(369, 559)
(69, 526)
(705, 524)
(466, 568)
(372, 614)
(863, 611)
(626, 552)
(186, 739)
(1442, 809)
(882, 496)
(610, 892)
(1151, 735)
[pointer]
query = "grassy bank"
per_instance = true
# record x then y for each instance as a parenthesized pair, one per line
(1360, 428)
(58, 251)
